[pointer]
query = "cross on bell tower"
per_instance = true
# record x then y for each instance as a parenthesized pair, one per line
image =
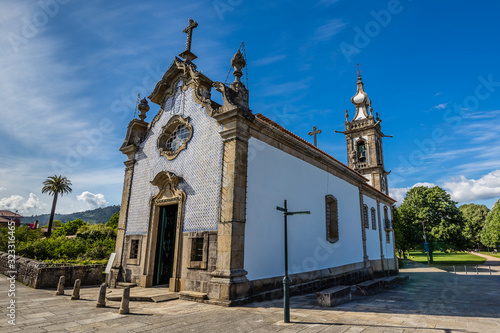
(187, 54)
(364, 140)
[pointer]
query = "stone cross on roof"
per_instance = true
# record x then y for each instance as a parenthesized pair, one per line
(314, 133)
(187, 54)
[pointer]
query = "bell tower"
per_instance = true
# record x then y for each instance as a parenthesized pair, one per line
(364, 140)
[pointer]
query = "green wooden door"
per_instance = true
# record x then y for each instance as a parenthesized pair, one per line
(165, 244)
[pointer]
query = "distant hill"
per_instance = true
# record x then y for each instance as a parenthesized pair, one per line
(99, 215)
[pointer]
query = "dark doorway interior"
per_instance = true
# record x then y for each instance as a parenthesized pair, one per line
(165, 244)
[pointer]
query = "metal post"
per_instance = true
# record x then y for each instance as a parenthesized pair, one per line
(454, 270)
(489, 267)
(286, 279)
(465, 269)
(477, 270)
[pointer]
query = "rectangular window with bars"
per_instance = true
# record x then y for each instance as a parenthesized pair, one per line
(134, 249)
(197, 249)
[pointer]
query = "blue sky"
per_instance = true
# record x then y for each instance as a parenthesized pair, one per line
(70, 73)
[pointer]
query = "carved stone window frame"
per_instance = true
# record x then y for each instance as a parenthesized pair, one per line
(329, 218)
(362, 156)
(166, 133)
(374, 218)
(203, 264)
(134, 261)
(366, 222)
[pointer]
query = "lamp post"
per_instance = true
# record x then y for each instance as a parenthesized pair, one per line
(426, 245)
(286, 279)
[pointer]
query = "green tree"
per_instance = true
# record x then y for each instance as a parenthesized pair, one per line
(474, 218)
(69, 228)
(55, 185)
(113, 220)
(57, 224)
(431, 208)
(407, 234)
(490, 236)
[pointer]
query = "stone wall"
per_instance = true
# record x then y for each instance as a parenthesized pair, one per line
(36, 274)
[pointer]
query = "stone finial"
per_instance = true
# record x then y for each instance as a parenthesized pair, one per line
(238, 63)
(60, 285)
(371, 109)
(124, 307)
(101, 300)
(377, 117)
(76, 289)
(346, 115)
(143, 108)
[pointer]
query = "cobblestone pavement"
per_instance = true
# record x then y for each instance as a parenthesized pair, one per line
(433, 301)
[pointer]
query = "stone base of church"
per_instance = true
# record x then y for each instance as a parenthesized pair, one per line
(302, 283)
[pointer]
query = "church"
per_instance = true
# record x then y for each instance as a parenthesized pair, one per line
(202, 185)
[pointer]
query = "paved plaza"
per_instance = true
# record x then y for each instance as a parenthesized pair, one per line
(433, 301)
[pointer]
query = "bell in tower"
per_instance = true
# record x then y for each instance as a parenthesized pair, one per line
(364, 140)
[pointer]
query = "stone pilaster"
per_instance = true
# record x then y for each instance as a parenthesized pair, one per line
(381, 238)
(228, 280)
(363, 229)
(122, 221)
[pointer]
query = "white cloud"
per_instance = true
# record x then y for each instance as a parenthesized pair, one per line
(93, 200)
(399, 193)
(330, 29)
(17, 203)
(441, 106)
(462, 189)
(2, 188)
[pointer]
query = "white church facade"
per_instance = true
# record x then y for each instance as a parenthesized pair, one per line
(202, 182)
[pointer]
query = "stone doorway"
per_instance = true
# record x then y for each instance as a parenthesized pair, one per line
(165, 244)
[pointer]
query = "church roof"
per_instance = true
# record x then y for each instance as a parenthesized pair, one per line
(263, 118)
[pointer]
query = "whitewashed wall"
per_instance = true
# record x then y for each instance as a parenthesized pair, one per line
(199, 165)
(273, 176)
(372, 236)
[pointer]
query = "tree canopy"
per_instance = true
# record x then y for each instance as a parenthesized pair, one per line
(55, 185)
(430, 208)
(474, 220)
(490, 235)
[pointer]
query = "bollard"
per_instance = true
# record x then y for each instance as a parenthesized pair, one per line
(477, 270)
(76, 289)
(60, 285)
(465, 269)
(489, 267)
(101, 300)
(454, 270)
(124, 308)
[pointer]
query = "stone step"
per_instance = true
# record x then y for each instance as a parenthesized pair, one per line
(122, 285)
(390, 282)
(165, 298)
(192, 296)
(334, 296)
(369, 287)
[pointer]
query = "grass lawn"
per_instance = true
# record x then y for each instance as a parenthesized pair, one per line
(441, 258)
(491, 254)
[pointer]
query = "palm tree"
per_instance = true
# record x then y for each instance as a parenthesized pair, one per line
(55, 185)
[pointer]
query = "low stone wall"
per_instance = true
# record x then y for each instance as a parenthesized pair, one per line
(36, 274)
